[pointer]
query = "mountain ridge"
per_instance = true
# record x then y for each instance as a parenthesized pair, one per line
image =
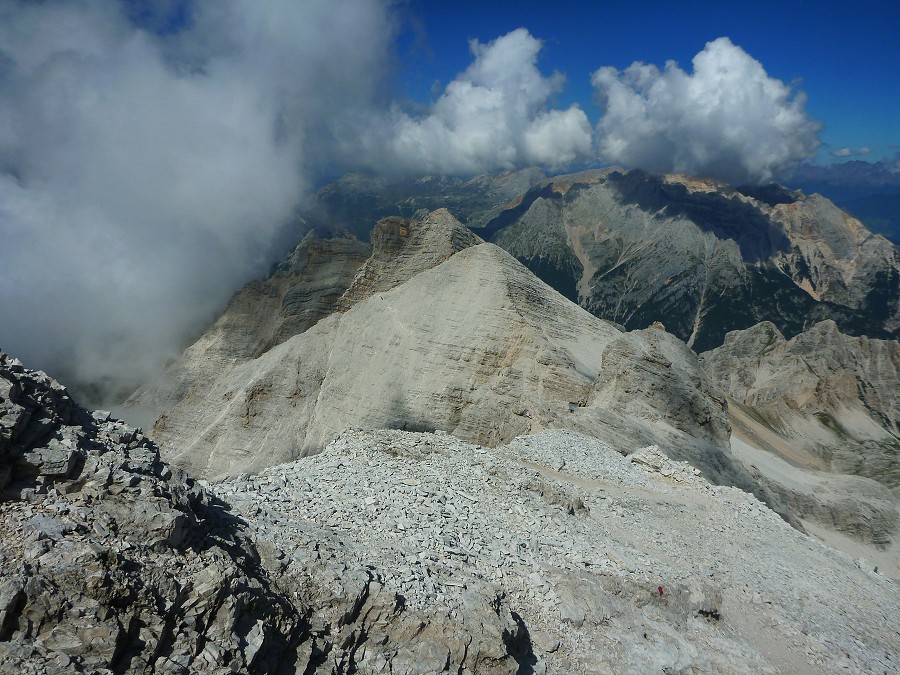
(667, 248)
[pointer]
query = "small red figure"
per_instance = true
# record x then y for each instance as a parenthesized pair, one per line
(659, 588)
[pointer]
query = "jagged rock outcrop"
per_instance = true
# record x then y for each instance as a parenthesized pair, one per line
(833, 396)
(403, 247)
(809, 410)
(476, 346)
(302, 289)
(113, 562)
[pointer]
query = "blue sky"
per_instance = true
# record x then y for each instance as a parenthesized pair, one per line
(845, 56)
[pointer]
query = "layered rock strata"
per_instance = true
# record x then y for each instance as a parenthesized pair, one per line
(702, 257)
(303, 288)
(475, 345)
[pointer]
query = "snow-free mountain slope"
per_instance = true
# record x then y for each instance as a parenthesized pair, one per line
(403, 247)
(408, 553)
(833, 398)
(477, 346)
(303, 288)
(702, 257)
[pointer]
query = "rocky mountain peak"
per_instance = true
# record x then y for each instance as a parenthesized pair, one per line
(832, 395)
(441, 332)
(701, 256)
(403, 247)
(405, 552)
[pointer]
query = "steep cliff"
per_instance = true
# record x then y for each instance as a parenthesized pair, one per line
(702, 257)
(302, 289)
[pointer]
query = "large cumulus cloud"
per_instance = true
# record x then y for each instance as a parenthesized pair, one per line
(153, 155)
(494, 115)
(728, 119)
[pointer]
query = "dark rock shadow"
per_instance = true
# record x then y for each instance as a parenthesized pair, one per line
(726, 216)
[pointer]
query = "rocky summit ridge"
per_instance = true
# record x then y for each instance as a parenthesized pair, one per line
(404, 552)
(422, 453)
(462, 339)
(438, 330)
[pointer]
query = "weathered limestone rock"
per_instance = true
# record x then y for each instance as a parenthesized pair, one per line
(403, 247)
(657, 571)
(476, 346)
(114, 562)
(831, 396)
(701, 256)
(806, 409)
(303, 289)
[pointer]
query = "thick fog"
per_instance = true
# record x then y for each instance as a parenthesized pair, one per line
(153, 161)
(144, 177)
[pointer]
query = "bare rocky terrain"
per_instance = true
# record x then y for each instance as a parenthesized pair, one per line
(440, 331)
(405, 552)
(700, 256)
(832, 397)
(301, 290)
(413, 455)
(462, 339)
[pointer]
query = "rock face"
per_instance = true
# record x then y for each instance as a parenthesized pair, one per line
(111, 560)
(401, 248)
(303, 288)
(406, 553)
(834, 396)
(702, 257)
(807, 411)
(476, 346)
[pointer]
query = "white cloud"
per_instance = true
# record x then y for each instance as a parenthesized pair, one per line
(728, 119)
(494, 115)
(143, 178)
(145, 174)
(847, 152)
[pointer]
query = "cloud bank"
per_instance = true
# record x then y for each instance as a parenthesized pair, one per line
(727, 120)
(144, 176)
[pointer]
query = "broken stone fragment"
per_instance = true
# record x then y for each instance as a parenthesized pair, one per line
(56, 460)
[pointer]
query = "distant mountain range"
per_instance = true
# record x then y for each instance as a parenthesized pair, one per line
(699, 256)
